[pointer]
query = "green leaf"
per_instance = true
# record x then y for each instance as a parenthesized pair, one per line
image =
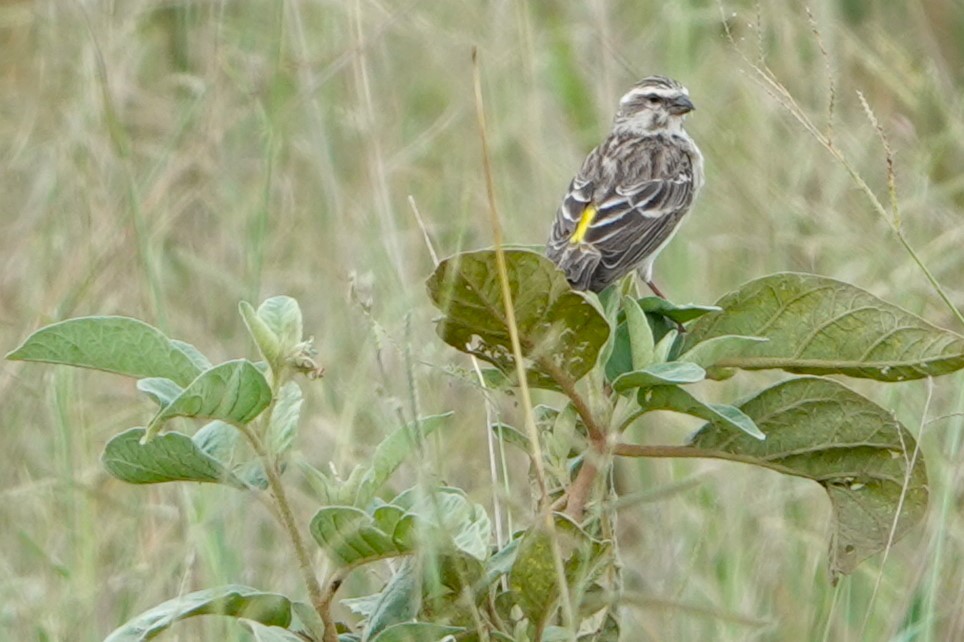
(560, 331)
(446, 516)
(533, 578)
(170, 457)
(283, 315)
(264, 633)
(678, 400)
(680, 313)
(283, 424)
(816, 325)
(268, 342)
(399, 601)
(712, 351)
(511, 435)
(660, 374)
(351, 536)
(218, 439)
(199, 360)
(640, 334)
(162, 391)
(234, 392)
(391, 452)
(417, 632)
(861, 455)
(114, 344)
(270, 609)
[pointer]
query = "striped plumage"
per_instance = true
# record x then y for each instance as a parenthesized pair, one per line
(632, 191)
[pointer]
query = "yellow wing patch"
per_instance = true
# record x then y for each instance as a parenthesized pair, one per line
(585, 221)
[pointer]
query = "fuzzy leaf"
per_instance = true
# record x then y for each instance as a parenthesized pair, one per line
(270, 609)
(170, 457)
(680, 313)
(283, 425)
(712, 351)
(391, 452)
(417, 632)
(120, 345)
(162, 391)
(234, 392)
(269, 345)
(351, 536)
(819, 429)
(678, 400)
(640, 334)
(660, 374)
(816, 325)
(283, 315)
(533, 578)
(560, 330)
(264, 633)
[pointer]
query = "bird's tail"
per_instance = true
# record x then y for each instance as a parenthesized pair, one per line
(577, 260)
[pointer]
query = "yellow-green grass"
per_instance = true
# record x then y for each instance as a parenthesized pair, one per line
(164, 160)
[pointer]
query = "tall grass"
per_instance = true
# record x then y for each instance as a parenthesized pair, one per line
(164, 160)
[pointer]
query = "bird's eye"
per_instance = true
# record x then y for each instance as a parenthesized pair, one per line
(652, 99)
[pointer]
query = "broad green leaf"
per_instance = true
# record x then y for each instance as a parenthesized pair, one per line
(446, 516)
(234, 391)
(391, 452)
(816, 325)
(861, 455)
(678, 400)
(417, 632)
(398, 602)
(270, 609)
(306, 618)
(665, 347)
(712, 351)
(283, 424)
(660, 374)
(640, 334)
(219, 440)
(264, 633)
(533, 578)
(170, 457)
(200, 361)
(269, 345)
(511, 435)
(114, 344)
(283, 315)
(352, 536)
(162, 391)
(501, 562)
(560, 331)
(558, 634)
(680, 313)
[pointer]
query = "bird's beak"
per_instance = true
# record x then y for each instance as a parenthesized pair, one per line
(681, 105)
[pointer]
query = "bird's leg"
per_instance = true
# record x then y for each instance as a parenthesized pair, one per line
(656, 290)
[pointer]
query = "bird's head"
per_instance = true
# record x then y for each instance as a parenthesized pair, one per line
(654, 105)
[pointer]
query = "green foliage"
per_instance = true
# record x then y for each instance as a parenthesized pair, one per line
(560, 331)
(615, 361)
(114, 344)
(816, 325)
(863, 457)
(269, 609)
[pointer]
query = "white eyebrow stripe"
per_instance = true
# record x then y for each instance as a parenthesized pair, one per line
(657, 91)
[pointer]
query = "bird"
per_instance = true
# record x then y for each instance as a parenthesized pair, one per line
(632, 192)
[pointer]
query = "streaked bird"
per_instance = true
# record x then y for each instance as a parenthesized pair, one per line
(632, 192)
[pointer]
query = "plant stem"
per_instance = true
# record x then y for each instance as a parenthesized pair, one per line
(287, 519)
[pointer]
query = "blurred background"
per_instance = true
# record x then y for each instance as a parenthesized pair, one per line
(165, 160)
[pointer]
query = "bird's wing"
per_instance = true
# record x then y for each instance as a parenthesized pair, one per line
(625, 208)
